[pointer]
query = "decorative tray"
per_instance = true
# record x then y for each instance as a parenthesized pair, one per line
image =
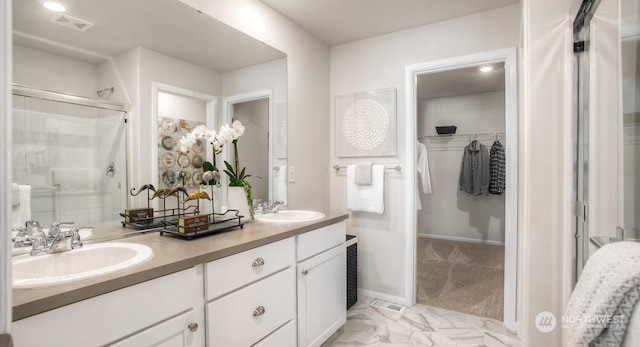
(157, 218)
(215, 223)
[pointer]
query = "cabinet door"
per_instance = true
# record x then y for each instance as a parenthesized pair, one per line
(185, 330)
(321, 296)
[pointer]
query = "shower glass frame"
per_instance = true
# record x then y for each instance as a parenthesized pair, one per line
(118, 150)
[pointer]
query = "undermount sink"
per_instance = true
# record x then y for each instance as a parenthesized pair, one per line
(289, 216)
(83, 263)
(85, 233)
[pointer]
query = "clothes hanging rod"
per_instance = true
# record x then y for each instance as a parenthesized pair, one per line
(392, 167)
(487, 134)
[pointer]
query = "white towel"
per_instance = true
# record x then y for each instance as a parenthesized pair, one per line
(363, 173)
(22, 213)
(282, 184)
(15, 194)
(366, 198)
(609, 286)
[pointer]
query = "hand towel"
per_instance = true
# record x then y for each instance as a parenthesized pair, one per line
(282, 184)
(15, 194)
(366, 198)
(363, 173)
(22, 213)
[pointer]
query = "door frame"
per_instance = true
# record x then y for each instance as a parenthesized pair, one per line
(508, 56)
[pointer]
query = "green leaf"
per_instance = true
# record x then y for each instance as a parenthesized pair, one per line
(207, 166)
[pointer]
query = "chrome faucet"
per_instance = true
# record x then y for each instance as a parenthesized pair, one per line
(57, 240)
(272, 207)
(64, 240)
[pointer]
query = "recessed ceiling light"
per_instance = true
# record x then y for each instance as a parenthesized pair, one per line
(54, 6)
(486, 68)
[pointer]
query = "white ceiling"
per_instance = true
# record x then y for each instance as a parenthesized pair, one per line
(460, 82)
(166, 26)
(175, 29)
(340, 21)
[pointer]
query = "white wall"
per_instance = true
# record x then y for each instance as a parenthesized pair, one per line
(139, 68)
(46, 71)
(307, 86)
(546, 166)
(181, 107)
(448, 212)
(378, 63)
(270, 76)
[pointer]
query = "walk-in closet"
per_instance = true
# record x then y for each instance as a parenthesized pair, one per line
(461, 149)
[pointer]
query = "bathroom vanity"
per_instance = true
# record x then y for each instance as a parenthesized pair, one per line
(264, 285)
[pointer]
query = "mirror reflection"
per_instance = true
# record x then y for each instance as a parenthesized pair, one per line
(80, 162)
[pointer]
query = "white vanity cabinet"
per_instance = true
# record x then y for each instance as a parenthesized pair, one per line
(321, 277)
(251, 297)
(286, 293)
(163, 311)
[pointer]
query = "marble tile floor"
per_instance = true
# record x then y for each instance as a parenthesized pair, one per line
(419, 325)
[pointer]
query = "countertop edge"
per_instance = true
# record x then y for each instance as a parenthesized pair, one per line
(79, 292)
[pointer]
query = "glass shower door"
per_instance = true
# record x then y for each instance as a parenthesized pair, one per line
(73, 157)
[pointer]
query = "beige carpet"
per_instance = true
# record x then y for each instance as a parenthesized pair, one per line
(461, 276)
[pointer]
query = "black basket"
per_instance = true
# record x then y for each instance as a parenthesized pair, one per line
(446, 130)
(352, 274)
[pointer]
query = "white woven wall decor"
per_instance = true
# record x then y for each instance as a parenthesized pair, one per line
(366, 124)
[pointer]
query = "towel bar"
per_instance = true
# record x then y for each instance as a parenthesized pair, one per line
(393, 167)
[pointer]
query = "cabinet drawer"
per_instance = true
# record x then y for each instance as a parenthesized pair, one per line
(182, 330)
(283, 337)
(232, 272)
(236, 320)
(319, 240)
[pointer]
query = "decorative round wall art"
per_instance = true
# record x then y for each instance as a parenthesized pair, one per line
(170, 158)
(366, 124)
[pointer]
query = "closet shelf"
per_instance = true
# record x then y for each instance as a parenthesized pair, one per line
(458, 142)
(499, 135)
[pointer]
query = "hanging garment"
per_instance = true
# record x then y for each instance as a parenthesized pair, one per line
(474, 173)
(423, 168)
(497, 168)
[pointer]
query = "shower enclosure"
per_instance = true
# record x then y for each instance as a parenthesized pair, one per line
(71, 151)
(607, 125)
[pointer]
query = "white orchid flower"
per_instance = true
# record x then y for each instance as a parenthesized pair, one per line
(187, 142)
(225, 136)
(217, 146)
(200, 131)
(237, 129)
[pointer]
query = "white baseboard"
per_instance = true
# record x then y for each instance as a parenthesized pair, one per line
(381, 296)
(461, 239)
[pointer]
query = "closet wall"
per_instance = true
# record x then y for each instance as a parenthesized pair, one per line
(449, 213)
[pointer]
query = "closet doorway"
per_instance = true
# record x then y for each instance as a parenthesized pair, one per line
(462, 226)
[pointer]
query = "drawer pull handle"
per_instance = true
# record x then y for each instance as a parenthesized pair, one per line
(305, 272)
(258, 262)
(259, 311)
(193, 327)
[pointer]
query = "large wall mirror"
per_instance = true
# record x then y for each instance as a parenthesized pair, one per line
(130, 53)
